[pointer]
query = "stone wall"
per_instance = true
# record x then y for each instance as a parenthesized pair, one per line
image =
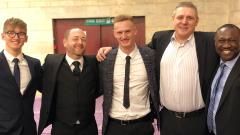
(39, 14)
(234, 12)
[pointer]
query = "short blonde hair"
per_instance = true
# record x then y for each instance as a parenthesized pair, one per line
(14, 22)
(123, 17)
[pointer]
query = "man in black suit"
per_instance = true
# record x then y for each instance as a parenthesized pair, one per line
(18, 81)
(70, 87)
(185, 61)
(129, 102)
(223, 108)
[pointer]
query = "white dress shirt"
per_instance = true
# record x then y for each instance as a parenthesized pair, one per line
(180, 89)
(70, 61)
(138, 87)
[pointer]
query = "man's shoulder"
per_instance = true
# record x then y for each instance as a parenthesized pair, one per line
(204, 34)
(164, 33)
(55, 56)
(30, 58)
(113, 52)
(90, 58)
(146, 49)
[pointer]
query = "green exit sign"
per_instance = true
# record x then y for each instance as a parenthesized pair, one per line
(99, 21)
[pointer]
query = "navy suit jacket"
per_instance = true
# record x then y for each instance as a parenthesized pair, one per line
(227, 117)
(106, 81)
(16, 110)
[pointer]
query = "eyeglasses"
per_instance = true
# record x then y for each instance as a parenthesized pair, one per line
(12, 34)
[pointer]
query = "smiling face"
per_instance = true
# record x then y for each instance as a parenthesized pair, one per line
(15, 35)
(227, 43)
(14, 44)
(185, 20)
(75, 43)
(125, 33)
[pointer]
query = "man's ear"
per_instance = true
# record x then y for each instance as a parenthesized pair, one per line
(2, 35)
(26, 39)
(64, 42)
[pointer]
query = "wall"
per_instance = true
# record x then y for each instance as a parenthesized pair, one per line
(234, 12)
(39, 14)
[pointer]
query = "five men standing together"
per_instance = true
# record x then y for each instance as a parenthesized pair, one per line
(180, 77)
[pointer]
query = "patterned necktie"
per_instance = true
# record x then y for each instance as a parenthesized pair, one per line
(210, 118)
(16, 71)
(126, 102)
(76, 70)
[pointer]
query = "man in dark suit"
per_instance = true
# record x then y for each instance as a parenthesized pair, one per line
(185, 61)
(18, 81)
(223, 108)
(70, 87)
(129, 102)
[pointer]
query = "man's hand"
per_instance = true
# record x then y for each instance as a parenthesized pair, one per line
(102, 52)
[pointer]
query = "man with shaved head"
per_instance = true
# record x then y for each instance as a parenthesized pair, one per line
(70, 87)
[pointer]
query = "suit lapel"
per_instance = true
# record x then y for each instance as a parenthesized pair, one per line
(147, 62)
(85, 67)
(56, 65)
(162, 44)
(31, 69)
(110, 64)
(231, 78)
(5, 67)
(200, 48)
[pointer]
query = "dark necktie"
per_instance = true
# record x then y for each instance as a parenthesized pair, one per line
(16, 71)
(77, 73)
(126, 102)
(76, 70)
(210, 118)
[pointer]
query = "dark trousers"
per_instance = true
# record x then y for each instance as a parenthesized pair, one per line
(192, 125)
(211, 133)
(139, 128)
(60, 128)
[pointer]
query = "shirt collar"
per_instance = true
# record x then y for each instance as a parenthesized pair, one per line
(173, 38)
(132, 54)
(10, 58)
(70, 60)
(230, 63)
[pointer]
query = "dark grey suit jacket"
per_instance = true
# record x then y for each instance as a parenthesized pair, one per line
(227, 116)
(16, 110)
(106, 81)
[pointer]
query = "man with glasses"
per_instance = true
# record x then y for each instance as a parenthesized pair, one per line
(19, 78)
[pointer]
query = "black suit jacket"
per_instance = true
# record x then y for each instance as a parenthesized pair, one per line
(106, 81)
(206, 55)
(227, 117)
(50, 71)
(16, 110)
